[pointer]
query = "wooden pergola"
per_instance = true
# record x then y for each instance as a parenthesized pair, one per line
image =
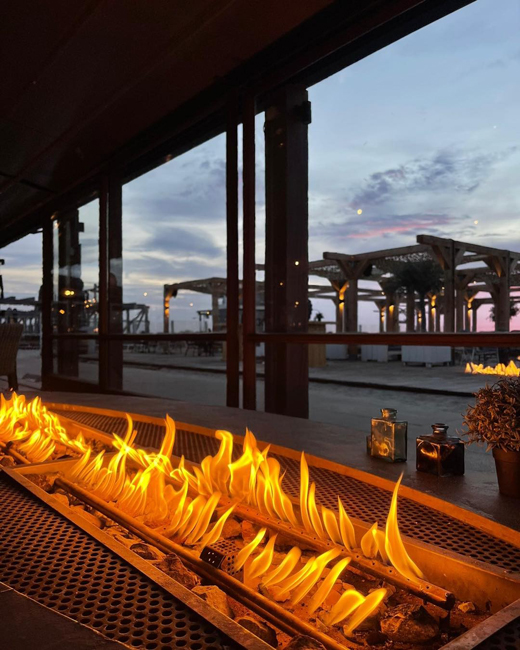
(457, 301)
(217, 288)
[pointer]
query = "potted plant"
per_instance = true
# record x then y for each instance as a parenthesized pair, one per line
(495, 420)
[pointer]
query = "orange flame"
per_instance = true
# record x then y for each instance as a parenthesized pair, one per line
(257, 480)
(394, 546)
(34, 431)
(511, 370)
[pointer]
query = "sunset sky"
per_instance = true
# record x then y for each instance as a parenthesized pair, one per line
(423, 137)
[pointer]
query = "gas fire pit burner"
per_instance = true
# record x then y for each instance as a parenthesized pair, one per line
(51, 560)
(260, 561)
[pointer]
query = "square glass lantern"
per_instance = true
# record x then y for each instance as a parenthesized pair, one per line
(440, 454)
(388, 438)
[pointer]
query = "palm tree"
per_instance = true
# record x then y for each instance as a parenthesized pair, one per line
(421, 277)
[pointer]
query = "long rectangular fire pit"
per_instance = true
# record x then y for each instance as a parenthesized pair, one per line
(288, 561)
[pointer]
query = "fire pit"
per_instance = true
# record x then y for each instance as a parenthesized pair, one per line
(285, 545)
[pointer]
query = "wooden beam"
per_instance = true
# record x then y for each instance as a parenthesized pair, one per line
(430, 240)
(377, 255)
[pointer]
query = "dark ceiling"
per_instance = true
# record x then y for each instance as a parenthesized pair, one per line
(83, 80)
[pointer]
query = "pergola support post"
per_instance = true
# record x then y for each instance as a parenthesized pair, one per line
(286, 253)
(410, 310)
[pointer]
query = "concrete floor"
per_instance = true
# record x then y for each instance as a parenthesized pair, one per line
(329, 403)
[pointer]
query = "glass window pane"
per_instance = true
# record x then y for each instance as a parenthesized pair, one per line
(20, 284)
(76, 288)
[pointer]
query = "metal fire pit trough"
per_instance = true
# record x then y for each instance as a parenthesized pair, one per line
(475, 558)
(60, 560)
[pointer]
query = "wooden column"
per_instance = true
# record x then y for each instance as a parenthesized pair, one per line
(459, 310)
(232, 310)
(503, 303)
(392, 313)
(340, 287)
(351, 306)
(431, 314)
(249, 243)
(448, 254)
(474, 315)
(410, 311)
(382, 310)
(215, 311)
(467, 315)
(286, 252)
(46, 300)
(166, 309)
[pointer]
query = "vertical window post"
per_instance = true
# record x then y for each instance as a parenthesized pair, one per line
(249, 241)
(232, 342)
(286, 250)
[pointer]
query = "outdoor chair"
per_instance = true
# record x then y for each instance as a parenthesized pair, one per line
(10, 334)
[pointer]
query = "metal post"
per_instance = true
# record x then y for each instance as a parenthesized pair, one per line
(46, 300)
(103, 285)
(70, 290)
(115, 279)
(249, 242)
(232, 343)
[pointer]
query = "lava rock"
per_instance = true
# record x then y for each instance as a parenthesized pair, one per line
(7, 461)
(375, 638)
(467, 607)
(171, 564)
(232, 528)
(302, 642)
(409, 624)
(248, 531)
(42, 481)
(214, 597)
(147, 552)
(261, 630)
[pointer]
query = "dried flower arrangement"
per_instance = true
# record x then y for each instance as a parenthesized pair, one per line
(495, 418)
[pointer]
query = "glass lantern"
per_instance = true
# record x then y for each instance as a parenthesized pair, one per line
(389, 437)
(439, 454)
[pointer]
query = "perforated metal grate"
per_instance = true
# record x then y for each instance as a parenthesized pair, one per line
(508, 638)
(48, 558)
(369, 503)
(363, 501)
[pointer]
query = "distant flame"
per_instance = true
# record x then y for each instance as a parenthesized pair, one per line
(511, 370)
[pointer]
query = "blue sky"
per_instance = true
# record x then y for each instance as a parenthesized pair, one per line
(422, 136)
